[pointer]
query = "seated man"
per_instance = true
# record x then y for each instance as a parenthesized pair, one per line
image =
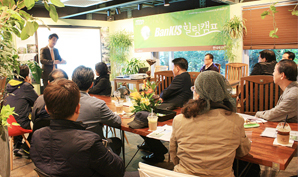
(209, 65)
(22, 97)
(285, 76)
(179, 91)
(288, 55)
(94, 112)
(266, 64)
(38, 111)
(65, 148)
(174, 96)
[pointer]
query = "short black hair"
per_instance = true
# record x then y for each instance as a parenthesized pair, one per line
(53, 35)
(268, 54)
(83, 77)
(62, 97)
(57, 73)
(289, 67)
(181, 62)
(24, 72)
(210, 56)
(291, 55)
(101, 68)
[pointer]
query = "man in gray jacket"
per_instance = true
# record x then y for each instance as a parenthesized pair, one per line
(285, 76)
(94, 112)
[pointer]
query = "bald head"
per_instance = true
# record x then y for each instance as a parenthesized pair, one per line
(57, 74)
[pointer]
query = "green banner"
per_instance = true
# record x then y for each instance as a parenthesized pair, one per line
(198, 29)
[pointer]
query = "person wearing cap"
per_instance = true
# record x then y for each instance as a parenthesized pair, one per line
(208, 134)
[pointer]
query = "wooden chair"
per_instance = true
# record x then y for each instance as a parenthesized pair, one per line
(258, 93)
(193, 76)
(234, 71)
(218, 66)
(164, 78)
(161, 68)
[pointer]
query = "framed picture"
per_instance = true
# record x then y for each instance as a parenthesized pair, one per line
(32, 48)
(22, 50)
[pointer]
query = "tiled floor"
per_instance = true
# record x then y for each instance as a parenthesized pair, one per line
(25, 168)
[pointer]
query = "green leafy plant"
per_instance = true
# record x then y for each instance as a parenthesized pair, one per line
(294, 11)
(232, 31)
(6, 111)
(271, 12)
(132, 66)
(145, 101)
(119, 44)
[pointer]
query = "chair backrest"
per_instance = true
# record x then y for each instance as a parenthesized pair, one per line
(151, 171)
(193, 76)
(164, 78)
(218, 66)
(234, 71)
(161, 68)
(41, 173)
(258, 93)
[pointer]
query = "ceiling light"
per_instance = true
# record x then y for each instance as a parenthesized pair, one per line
(166, 3)
(140, 6)
(118, 11)
(108, 12)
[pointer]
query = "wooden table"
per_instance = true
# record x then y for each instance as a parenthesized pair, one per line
(262, 150)
(127, 80)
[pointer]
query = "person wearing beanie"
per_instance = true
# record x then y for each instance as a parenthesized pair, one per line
(208, 134)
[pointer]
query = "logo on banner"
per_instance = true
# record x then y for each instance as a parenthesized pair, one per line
(145, 31)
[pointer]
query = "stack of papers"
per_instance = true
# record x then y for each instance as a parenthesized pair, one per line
(162, 133)
(272, 133)
(252, 118)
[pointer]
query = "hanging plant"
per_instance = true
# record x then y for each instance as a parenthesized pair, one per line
(271, 12)
(119, 44)
(232, 31)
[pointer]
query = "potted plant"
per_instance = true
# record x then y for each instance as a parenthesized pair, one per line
(232, 31)
(132, 66)
(119, 44)
(15, 21)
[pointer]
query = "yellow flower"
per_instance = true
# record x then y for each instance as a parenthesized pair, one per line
(145, 101)
(134, 103)
(135, 95)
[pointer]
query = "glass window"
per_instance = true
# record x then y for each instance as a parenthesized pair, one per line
(254, 56)
(164, 58)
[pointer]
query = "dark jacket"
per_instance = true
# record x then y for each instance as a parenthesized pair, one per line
(101, 86)
(179, 91)
(213, 67)
(47, 62)
(263, 68)
(65, 148)
(22, 97)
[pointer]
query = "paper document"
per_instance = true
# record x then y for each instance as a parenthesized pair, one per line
(252, 118)
(162, 133)
(272, 133)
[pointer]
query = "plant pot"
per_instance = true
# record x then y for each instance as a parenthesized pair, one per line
(4, 153)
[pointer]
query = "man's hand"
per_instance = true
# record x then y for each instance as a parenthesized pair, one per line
(59, 62)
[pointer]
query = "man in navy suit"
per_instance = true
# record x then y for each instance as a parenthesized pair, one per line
(49, 58)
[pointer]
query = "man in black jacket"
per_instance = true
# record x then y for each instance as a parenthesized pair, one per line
(49, 58)
(266, 64)
(174, 96)
(22, 97)
(65, 148)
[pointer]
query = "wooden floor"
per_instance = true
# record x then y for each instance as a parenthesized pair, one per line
(25, 168)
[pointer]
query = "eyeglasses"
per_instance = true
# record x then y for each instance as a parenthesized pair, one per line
(192, 88)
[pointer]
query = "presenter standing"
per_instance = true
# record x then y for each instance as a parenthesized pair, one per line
(49, 58)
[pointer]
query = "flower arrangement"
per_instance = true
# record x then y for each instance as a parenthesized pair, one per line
(146, 99)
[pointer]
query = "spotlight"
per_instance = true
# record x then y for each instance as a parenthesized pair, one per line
(118, 11)
(108, 12)
(140, 6)
(166, 3)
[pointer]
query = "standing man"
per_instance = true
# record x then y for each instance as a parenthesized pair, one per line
(49, 58)
(209, 65)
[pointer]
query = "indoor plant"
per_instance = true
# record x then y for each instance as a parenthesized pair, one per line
(132, 66)
(232, 31)
(119, 44)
